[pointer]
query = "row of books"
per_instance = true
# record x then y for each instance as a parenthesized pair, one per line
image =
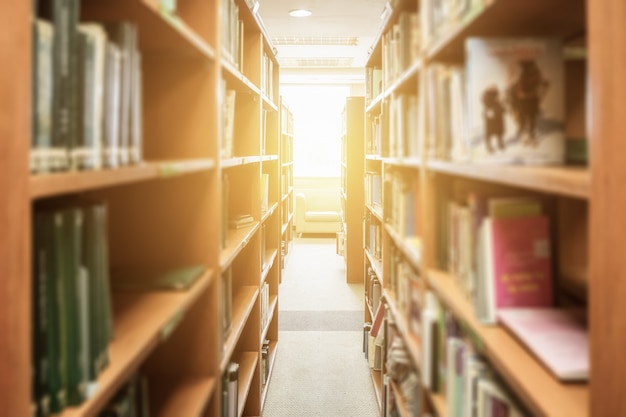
(232, 33)
(87, 91)
(438, 18)
(500, 253)
(400, 47)
(453, 366)
(72, 317)
(373, 189)
(400, 370)
(228, 121)
(394, 132)
(226, 304)
(401, 203)
(265, 304)
(267, 76)
(506, 105)
(409, 288)
(130, 401)
(372, 236)
(265, 361)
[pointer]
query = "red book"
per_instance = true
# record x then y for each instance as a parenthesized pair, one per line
(515, 265)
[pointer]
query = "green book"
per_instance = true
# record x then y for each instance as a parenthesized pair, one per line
(153, 278)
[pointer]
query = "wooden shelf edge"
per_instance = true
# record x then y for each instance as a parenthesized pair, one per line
(410, 251)
(142, 320)
(235, 242)
(270, 255)
(564, 180)
(269, 212)
(378, 387)
(182, 30)
(376, 265)
(48, 185)
(538, 389)
(234, 74)
(247, 367)
(172, 168)
(438, 402)
(403, 408)
(243, 303)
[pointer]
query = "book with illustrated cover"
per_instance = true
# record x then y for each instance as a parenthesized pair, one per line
(154, 278)
(558, 337)
(515, 100)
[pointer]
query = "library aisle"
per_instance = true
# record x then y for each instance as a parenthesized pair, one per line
(319, 369)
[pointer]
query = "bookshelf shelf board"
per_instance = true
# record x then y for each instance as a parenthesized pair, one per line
(438, 402)
(48, 185)
(344, 194)
(287, 164)
(182, 167)
(267, 103)
(411, 342)
(284, 228)
(376, 211)
(270, 256)
(374, 157)
(406, 82)
(236, 240)
(404, 162)
(378, 386)
(374, 104)
(269, 212)
(159, 31)
(185, 397)
(235, 80)
(268, 158)
(409, 246)
(502, 18)
(239, 161)
(272, 309)
(271, 361)
(140, 319)
(376, 265)
(369, 306)
(537, 388)
(247, 365)
(402, 406)
(284, 197)
(564, 180)
(243, 302)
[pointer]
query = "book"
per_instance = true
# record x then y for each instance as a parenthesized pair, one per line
(239, 221)
(112, 102)
(514, 265)
(515, 100)
(42, 152)
(179, 278)
(558, 337)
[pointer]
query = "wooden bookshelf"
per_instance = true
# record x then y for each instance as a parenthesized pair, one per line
(286, 132)
(270, 362)
(411, 341)
(352, 154)
(402, 406)
(377, 381)
(578, 197)
(248, 362)
(237, 240)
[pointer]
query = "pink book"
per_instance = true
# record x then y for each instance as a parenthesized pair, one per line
(518, 270)
(557, 337)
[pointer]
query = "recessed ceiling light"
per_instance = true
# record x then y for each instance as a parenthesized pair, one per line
(300, 13)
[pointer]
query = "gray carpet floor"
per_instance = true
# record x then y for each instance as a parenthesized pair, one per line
(320, 369)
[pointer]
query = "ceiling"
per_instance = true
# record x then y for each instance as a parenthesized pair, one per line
(336, 37)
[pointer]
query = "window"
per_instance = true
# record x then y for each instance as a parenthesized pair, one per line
(317, 127)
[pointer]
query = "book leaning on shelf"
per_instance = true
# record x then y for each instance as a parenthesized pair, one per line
(515, 100)
(72, 308)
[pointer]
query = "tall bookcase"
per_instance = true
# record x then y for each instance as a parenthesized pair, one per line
(582, 203)
(166, 211)
(352, 187)
(286, 163)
